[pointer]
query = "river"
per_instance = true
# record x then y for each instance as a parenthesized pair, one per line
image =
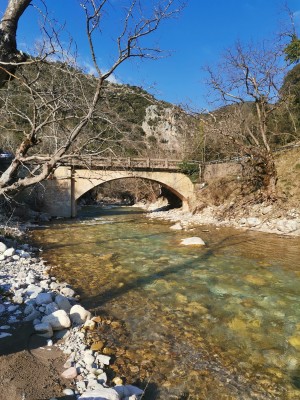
(221, 321)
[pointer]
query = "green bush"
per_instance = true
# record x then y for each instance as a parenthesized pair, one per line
(190, 169)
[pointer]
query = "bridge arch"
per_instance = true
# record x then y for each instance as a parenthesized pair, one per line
(177, 183)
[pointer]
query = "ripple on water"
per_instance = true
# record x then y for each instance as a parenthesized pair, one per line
(220, 322)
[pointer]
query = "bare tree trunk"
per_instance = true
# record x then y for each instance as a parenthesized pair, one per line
(9, 55)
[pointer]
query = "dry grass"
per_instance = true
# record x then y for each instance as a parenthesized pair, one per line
(288, 168)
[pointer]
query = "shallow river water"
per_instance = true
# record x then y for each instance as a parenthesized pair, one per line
(215, 322)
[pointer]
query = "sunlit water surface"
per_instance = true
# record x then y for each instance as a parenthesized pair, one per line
(214, 322)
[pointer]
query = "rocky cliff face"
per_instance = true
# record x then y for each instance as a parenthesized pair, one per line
(168, 127)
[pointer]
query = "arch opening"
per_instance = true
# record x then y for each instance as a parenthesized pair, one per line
(132, 190)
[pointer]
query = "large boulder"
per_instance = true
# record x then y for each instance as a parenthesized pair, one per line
(58, 320)
(63, 303)
(43, 298)
(79, 315)
(44, 329)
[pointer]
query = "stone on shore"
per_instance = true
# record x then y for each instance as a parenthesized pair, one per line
(193, 241)
(63, 303)
(69, 373)
(176, 227)
(79, 315)
(44, 329)
(128, 390)
(58, 320)
(100, 394)
(9, 252)
(287, 226)
(43, 298)
(66, 291)
(3, 247)
(253, 221)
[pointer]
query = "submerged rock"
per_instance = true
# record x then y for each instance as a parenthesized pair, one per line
(193, 241)
(177, 226)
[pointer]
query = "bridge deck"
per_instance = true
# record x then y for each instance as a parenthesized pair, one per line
(97, 162)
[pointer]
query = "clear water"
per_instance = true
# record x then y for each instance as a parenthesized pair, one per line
(214, 322)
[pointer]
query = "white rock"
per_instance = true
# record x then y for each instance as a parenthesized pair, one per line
(88, 359)
(3, 247)
(67, 292)
(4, 327)
(68, 392)
(58, 320)
(2, 257)
(79, 315)
(102, 359)
(287, 226)
(196, 241)
(102, 378)
(102, 394)
(266, 210)
(54, 286)
(81, 386)
(69, 373)
(63, 303)
(44, 284)
(15, 257)
(176, 227)
(253, 221)
(33, 291)
(44, 329)
(43, 298)
(9, 252)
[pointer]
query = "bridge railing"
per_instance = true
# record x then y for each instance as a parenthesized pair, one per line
(123, 162)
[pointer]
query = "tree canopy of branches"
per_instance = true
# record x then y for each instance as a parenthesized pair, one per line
(249, 78)
(54, 117)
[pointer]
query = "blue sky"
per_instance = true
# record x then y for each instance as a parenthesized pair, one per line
(196, 38)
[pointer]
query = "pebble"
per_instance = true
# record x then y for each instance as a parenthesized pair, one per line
(51, 307)
(68, 392)
(70, 373)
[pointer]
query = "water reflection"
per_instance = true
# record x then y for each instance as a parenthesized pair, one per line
(220, 321)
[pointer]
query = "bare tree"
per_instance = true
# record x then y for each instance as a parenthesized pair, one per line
(247, 82)
(53, 111)
(9, 55)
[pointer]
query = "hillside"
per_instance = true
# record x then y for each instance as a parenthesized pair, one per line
(128, 120)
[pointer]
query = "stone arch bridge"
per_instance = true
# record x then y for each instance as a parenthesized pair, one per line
(76, 177)
(71, 181)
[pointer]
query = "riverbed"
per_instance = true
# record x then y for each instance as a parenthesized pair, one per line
(220, 321)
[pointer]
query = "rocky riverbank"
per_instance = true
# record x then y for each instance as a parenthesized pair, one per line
(260, 217)
(43, 331)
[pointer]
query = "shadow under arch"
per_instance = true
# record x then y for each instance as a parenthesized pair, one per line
(174, 197)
